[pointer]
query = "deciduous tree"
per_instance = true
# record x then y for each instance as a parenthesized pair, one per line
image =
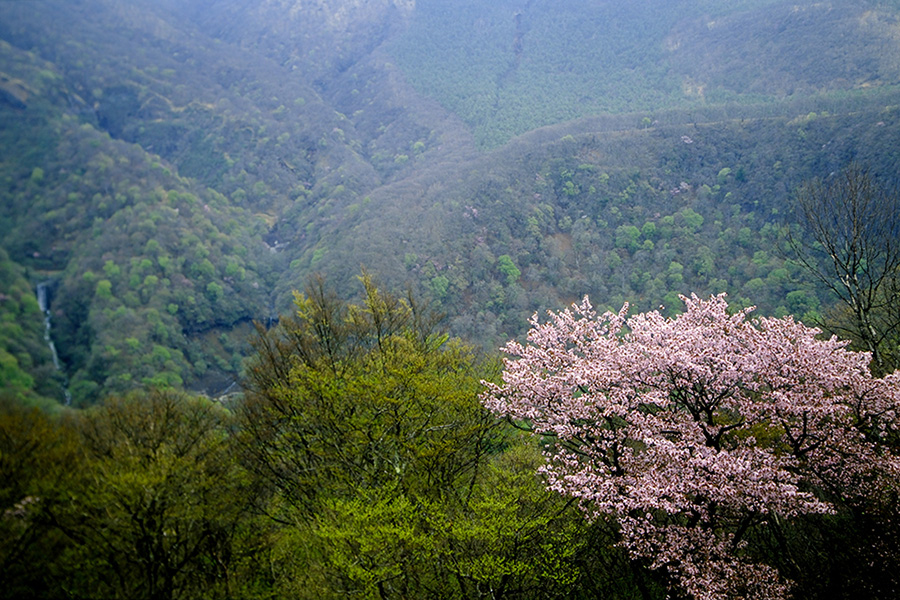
(697, 431)
(389, 478)
(40, 468)
(163, 502)
(852, 245)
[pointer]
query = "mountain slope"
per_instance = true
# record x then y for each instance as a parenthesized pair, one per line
(510, 66)
(178, 169)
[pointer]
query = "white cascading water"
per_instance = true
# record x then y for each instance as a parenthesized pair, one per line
(43, 298)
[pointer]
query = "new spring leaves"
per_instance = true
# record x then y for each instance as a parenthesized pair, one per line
(695, 431)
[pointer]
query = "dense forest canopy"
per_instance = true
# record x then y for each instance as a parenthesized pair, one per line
(173, 171)
(258, 259)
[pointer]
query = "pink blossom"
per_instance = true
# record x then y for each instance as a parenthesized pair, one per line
(657, 423)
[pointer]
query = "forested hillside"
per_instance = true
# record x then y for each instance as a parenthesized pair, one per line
(173, 171)
(396, 299)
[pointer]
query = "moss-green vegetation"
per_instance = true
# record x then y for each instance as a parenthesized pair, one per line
(360, 462)
(26, 367)
(635, 216)
(173, 171)
(176, 182)
(509, 67)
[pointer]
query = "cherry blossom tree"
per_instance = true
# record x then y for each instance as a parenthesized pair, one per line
(694, 431)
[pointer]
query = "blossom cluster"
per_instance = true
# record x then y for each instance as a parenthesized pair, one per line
(693, 430)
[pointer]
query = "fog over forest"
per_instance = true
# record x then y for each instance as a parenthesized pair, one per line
(175, 170)
(196, 194)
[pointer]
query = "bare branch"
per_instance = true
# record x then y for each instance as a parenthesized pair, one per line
(850, 243)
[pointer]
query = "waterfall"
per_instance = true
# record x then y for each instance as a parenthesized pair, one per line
(43, 298)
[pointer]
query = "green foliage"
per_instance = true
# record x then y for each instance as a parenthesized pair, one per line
(693, 220)
(189, 186)
(376, 393)
(627, 236)
(160, 519)
(39, 472)
(507, 68)
(26, 367)
(366, 423)
(508, 268)
(138, 498)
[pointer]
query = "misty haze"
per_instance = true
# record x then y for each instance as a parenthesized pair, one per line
(259, 258)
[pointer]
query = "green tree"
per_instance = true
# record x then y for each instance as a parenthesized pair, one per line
(627, 236)
(508, 268)
(365, 424)
(163, 501)
(371, 395)
(39, 471)
(692, 219)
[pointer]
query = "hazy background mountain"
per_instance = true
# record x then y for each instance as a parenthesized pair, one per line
(174, 170)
